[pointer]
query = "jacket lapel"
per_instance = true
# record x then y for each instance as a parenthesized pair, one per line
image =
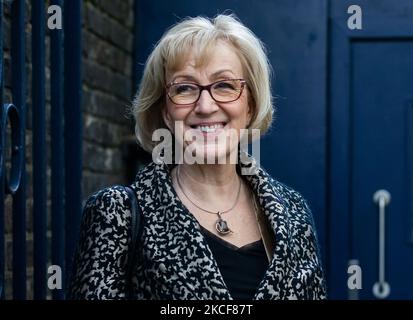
(273, 207)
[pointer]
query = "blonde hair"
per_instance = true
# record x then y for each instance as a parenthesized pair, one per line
(196, 35)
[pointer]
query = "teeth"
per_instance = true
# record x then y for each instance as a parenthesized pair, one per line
(211, 128)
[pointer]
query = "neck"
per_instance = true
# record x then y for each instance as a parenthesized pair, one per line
(206, 182)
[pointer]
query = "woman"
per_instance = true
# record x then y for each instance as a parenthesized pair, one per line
(209, 232)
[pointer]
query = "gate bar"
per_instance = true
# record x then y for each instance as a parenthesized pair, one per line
(39, 150)
(19, 100)
(57, 150)
(2, 167)
(73, 125)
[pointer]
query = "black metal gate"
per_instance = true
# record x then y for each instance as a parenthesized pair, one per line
(65, 142)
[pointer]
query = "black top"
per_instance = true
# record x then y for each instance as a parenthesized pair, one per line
(242, 268)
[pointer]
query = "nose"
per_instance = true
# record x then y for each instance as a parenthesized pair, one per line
(205, 103)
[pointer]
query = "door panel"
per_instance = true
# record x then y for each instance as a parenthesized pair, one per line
(381, 86)
(370, 148)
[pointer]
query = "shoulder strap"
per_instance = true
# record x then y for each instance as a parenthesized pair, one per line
(136, 232)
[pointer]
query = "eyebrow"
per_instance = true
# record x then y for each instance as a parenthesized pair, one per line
(215, 75)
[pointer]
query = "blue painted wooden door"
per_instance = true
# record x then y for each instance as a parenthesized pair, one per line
(372, 149)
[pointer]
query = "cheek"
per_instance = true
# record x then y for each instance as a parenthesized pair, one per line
(177, 118)
(171, 112)
(168, 107)
(240, 111)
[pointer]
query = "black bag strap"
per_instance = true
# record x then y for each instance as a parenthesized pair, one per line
(136, 232)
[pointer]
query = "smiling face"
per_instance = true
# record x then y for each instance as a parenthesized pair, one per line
(214, 125)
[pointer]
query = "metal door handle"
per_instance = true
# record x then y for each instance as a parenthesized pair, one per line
(381, 289)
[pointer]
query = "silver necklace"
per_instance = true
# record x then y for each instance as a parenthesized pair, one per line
(220, 225)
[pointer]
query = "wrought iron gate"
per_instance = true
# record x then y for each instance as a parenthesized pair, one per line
(65, 142)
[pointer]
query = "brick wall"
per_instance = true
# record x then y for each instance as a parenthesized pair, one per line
(107, 88)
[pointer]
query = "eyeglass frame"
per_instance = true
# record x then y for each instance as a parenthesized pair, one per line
(206, 87)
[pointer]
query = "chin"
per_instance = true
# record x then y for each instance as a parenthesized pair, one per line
(212, 153)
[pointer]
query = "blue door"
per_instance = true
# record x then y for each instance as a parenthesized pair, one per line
(371, 143)
(344, 124)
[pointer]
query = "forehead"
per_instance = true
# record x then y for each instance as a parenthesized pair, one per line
(220, 56)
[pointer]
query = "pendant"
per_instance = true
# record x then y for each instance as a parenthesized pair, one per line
(222, 226)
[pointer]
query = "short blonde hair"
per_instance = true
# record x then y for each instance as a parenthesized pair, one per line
(196, 35)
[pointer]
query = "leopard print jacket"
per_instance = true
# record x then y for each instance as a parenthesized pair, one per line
(174, 260)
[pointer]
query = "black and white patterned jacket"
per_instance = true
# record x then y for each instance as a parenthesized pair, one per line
(174, 260)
